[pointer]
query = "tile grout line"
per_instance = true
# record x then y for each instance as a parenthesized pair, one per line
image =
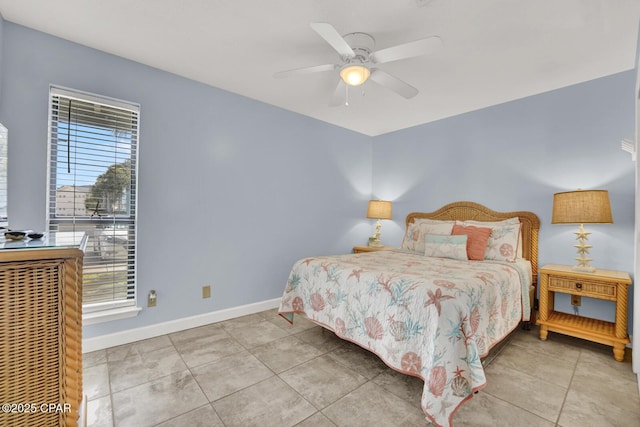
(113, 416)
(246, 349)
(564, 400)
(209, 403)
(511, 343)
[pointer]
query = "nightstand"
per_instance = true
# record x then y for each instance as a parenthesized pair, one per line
(360, 249)
(606, 285)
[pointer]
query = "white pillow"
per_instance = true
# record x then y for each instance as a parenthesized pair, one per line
(415, 234)
(441, 246)
(503, 243)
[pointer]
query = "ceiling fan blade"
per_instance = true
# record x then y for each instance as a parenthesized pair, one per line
(395, 84)
(306, 70)
(327, 32)
(407, 50)
(339, 96)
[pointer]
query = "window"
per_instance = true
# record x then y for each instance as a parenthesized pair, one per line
(3, 175)
(92, 188)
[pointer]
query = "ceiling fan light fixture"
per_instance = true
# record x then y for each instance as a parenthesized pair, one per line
(355, 75)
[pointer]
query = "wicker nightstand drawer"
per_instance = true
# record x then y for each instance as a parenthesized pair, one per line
(583, 287)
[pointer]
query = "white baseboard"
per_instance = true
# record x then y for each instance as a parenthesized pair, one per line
(151, 331)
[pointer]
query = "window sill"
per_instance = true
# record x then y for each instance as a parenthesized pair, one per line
(109, 315)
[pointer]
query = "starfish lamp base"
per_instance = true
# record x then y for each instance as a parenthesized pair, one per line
(583, 265)
(374, 241)
(583, 249)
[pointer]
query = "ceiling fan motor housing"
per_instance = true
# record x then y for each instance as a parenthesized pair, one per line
(362, 45)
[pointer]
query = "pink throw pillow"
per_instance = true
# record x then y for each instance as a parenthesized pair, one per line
(477, 238)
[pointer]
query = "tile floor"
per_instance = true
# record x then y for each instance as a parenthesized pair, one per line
(259, 371)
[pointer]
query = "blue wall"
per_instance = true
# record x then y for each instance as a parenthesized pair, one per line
(515, 156)
(231, 191)
(210, 161)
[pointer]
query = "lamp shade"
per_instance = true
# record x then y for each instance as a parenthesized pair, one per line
(582, 207)
(379, 209)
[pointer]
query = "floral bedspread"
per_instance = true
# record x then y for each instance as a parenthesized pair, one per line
(428, 317)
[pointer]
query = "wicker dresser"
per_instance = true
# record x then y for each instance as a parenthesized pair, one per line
(40, 330)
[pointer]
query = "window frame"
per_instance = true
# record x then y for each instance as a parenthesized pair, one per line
(118, 308)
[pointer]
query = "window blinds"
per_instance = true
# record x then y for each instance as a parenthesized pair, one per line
(92, 188)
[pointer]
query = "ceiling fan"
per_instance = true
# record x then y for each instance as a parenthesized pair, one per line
(359, 62)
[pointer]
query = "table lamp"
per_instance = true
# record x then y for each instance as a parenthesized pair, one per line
(582, 207)
(378, 209)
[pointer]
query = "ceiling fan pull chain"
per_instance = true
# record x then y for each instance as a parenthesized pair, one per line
(346, 95)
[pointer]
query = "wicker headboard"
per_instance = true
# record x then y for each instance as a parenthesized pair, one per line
(464, 211)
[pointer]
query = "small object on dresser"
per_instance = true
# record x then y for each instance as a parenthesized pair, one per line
(14, 235)
(35, 235)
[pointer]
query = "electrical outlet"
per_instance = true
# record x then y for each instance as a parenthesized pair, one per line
(152, 298)
(206, 291)
(576, 300)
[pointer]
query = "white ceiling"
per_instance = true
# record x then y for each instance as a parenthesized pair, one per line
(493, 50)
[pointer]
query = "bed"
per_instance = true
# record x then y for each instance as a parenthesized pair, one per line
(423, 309)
